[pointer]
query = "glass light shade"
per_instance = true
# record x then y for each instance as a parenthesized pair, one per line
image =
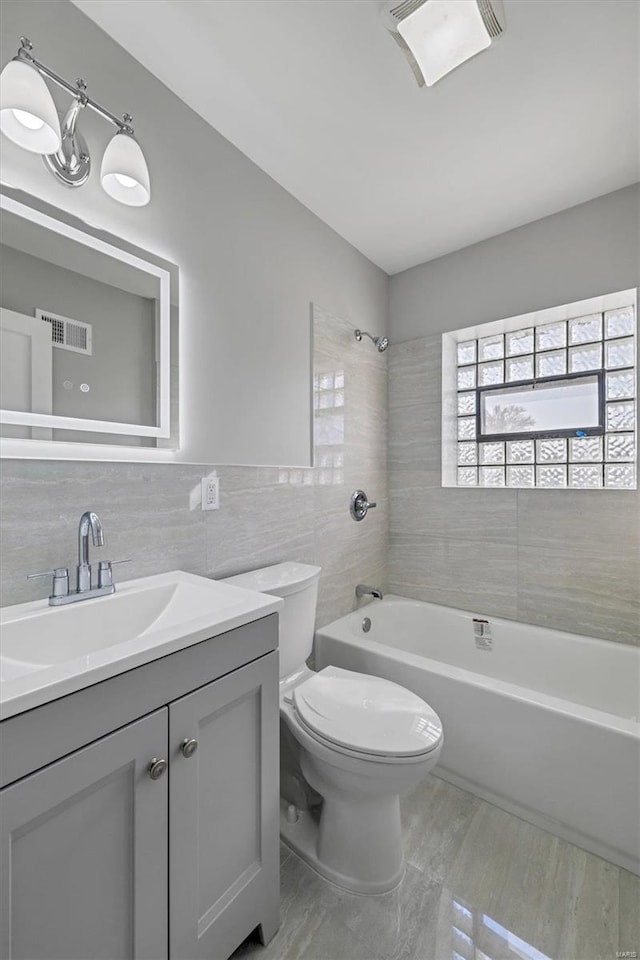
(28, 115)
(442, 34)
(124, 174)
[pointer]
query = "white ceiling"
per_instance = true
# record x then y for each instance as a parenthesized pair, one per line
(317, 95)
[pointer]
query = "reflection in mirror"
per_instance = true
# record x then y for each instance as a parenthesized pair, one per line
(85, 331)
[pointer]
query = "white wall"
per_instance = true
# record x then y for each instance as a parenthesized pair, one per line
(582, 252)
(251, 257)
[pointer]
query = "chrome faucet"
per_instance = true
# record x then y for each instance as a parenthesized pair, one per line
(61, 595)
(362, 590)
(88, 521)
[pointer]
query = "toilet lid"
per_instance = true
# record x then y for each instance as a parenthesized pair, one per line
(367, 714)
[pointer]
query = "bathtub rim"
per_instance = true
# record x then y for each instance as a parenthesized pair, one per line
(627, 726)
(392, 598)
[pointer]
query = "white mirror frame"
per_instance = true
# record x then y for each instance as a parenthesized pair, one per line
(17, 448)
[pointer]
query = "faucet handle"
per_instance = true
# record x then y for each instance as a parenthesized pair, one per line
(105, 573)
(60, 580)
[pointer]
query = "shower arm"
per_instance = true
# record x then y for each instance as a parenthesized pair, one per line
(359, 334)
(380, 343)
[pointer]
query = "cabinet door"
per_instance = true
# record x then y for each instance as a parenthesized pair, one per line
(224, 813)
(83, 853)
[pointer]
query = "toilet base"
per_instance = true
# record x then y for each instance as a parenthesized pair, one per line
(301, 836)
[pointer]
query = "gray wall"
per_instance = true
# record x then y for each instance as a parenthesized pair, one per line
(251, 260)
(565, 559)
(582, 252)
(121, 370)
(251, 256)
(152, 513)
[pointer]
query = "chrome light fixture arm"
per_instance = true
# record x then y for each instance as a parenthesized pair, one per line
(77, 91)
(72, 162)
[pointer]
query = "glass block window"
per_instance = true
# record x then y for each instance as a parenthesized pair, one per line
(328, 432)
(552, 405)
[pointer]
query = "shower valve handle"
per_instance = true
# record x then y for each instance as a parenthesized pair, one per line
(359, 505)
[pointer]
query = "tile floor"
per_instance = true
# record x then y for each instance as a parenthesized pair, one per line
(480, 885)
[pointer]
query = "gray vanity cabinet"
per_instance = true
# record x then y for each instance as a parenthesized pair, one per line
(223, 835)
(84, 853)
(100, 860)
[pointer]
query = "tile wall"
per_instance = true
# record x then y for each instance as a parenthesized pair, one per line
(564, 559)
(152, 513)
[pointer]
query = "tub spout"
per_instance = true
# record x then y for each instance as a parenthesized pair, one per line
(362, 590)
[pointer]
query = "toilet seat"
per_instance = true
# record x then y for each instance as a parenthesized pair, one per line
(366, 716)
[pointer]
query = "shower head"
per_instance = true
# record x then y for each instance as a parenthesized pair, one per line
(380, 343)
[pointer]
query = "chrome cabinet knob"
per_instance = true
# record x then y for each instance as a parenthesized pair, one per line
(188, 747)
(156, 768)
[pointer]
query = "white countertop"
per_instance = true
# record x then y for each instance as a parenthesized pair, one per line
(48, 652)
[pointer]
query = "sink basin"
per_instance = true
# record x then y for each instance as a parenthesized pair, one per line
(47, 652)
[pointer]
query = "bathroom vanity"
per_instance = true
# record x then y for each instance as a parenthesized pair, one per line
(139, 811)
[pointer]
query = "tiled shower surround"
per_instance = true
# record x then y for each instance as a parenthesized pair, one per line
(566, 559)
(151, 513)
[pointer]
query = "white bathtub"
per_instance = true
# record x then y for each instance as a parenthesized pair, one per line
(545, 724)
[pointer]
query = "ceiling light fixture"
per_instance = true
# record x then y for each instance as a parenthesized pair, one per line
(28, 117)
(436, 36)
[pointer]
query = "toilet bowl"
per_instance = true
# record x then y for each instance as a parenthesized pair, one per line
(359, 743)
(364, 743)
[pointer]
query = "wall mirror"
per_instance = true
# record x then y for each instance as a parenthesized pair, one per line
(88, 337)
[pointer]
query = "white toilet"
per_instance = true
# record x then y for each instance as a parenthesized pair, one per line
(359, 742)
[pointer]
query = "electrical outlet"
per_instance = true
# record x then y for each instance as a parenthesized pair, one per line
(210, 493)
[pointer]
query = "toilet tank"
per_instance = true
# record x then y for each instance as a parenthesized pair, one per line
(297, 584)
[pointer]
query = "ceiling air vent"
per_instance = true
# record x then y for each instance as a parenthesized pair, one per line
(392, 13)
(67, 334)
(401, 10)
(489, 15)
(436, 36)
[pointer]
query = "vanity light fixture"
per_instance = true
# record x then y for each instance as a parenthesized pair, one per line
(436, 36)
(28, 117)
(28, 114)
(124, 174)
